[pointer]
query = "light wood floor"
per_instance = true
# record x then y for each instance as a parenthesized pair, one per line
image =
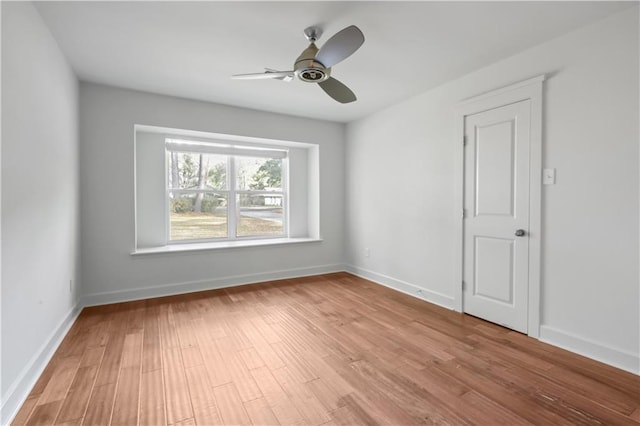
(332, 349)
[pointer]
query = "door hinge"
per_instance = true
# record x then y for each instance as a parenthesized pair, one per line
(464, 285)
(464, 140)
(464, 213)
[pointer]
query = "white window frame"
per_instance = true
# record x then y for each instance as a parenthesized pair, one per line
(232, 151)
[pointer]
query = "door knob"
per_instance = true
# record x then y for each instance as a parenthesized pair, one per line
(520, 233)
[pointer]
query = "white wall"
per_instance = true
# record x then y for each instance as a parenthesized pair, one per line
(109, 272)
(151, 187)
(39, 197)
(400, 188)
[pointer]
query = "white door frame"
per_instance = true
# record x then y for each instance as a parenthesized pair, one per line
(530, 89)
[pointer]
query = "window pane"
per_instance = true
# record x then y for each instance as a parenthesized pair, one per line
(263, 174)
(197, 216)
(191, 170)
(260, 215)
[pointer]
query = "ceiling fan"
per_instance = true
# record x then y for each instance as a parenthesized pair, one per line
(314, 65)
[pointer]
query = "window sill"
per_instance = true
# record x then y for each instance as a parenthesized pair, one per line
(182, 248)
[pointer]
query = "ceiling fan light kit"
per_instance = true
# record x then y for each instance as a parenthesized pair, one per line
(314, 65)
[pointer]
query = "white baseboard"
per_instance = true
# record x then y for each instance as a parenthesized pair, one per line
(402, 286)
(213, 284)
(612, 356)
(19, 390)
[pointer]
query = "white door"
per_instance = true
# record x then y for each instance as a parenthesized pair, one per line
(496, 214)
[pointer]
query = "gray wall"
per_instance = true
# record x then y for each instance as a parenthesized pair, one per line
(400, 174)
(40, 219)
(110, 272)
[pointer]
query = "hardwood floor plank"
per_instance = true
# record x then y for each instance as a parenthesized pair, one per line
(76, 422)
(352, 414)
(151, 351)
(110, 365)
(75, 402)
(132, 350)
(166, 327)
(260, 413)
(200, 389)
(213, 326)
(325, 350)
(210, 354)
(607, 396)
(297, 335)
(487, 411)
(278, 400)
(509, 355)
(251, 358)
(212, 362)
(230, 405)
(231, 325)
(100, 405)
(152, 405)
(192, 356)
(207, 416)
(378, 409)
(92, 357)
(328, 397)
(60, 380)
(331, 377)
(185, 329)
(441, 386)
(126, 406)
(176, 391)
(99, 333)
(418, 404)
(44, 414)
(240, 375)
(566, 402)
(302, 397)
(135, 322)
(265, 330)
(298, 366)
(70, 341)
(488, 380)
(261, 346)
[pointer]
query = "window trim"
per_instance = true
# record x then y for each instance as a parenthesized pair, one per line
(222, 245)
(232, 152)
(149, 204)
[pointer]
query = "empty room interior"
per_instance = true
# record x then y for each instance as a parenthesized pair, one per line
(320, 213)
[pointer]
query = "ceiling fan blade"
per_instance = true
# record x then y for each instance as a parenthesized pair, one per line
(286, 78)
(280, 75)
(340, 46)
(337, 90)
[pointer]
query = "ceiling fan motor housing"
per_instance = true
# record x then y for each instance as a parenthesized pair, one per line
(309, 70)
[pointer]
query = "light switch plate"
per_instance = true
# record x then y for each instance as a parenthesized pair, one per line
(549, 176)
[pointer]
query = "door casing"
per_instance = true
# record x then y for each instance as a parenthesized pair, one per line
(530, 89)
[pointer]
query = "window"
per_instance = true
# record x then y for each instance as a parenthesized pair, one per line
(224, 192)
(207, 191)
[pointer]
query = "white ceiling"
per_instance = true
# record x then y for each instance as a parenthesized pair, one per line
(189, 49)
